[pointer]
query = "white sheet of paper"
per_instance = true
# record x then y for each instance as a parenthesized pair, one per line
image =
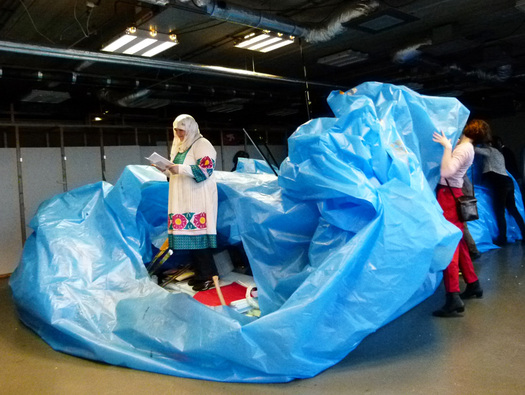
(158, 160)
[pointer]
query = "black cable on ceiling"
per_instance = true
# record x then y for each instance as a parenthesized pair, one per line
(7, 10)
(33, 23)
(285, 11)
(407, 2)
(181, 31)
(521, 24)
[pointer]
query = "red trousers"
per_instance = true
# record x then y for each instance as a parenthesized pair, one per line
(461, 259)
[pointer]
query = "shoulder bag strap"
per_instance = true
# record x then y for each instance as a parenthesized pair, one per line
(473, 189)
(454, 196)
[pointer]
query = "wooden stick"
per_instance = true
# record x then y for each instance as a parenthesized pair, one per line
(218, 289)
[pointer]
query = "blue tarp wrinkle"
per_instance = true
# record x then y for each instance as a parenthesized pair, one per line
(346, 239)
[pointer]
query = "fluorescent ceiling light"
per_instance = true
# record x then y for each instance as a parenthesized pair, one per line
(253, 40)
(140, 42)
(278, 45)
(225, 108)
(46, 96)
(140, 46)
(265, 42)
(343, 58)
(119, 42)
(159, 48)
(283, 112)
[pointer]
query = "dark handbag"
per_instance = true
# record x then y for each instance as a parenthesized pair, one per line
(467, 206)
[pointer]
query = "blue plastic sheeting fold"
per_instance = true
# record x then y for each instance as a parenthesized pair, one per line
(254, 166)
(485, 229)
(348, 238)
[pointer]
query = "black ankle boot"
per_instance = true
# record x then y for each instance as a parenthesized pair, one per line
(453, 305)
(472, 290)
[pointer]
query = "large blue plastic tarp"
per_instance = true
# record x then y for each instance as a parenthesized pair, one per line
(348, 238)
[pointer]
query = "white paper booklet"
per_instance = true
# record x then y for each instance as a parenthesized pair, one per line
(158, 160)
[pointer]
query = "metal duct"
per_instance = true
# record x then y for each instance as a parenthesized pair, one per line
(262, 20)
(156, 2)
(132, 99)
(335, 26)
(410, 53)
(139, 99)
(503, 73)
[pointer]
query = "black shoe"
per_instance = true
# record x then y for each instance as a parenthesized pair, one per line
(475, 255)
(203, 285)
(193, 281)
(453, 306)
(500, 242)
(472, 290)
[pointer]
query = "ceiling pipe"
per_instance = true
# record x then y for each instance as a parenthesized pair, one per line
(68, 77)
(156, 94)
(137, 61)
(267, 21)
(146, 86)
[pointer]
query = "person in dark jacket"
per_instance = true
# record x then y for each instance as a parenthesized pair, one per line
(501, 186)
(239, 154)
(511, 164)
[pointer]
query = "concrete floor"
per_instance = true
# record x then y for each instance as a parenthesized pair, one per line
(480, 353)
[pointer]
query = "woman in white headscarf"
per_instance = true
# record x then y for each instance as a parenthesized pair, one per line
(192, 206)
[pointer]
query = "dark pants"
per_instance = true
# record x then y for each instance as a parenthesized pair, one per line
(502, 189)
(203, 264)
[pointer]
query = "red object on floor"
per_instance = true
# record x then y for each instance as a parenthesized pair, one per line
(231, 293)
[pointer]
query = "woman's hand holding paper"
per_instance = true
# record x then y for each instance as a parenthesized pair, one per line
(174, 169)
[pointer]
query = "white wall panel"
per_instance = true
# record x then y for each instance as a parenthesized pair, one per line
(10, 232)
(42, 178)
(218, 160)
(117, 158)
(83, 166)
(228, 153)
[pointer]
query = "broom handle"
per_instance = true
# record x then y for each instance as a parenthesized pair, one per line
(218, 289)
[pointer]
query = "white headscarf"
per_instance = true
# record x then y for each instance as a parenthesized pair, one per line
(187, 123)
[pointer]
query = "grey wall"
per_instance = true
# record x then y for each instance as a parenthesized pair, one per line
(10, 232)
